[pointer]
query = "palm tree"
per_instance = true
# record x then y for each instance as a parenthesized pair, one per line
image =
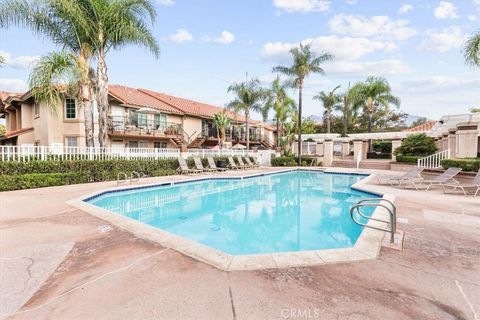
(304, 64)
(282, 105)
(221, 121)
(115, 24)
(289, 137)
(373, 93)
(248, 97)
(472, 50)
(348, 108)
(63, 22)
(331, 101)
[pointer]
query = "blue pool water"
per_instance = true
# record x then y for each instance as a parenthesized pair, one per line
(293, 211)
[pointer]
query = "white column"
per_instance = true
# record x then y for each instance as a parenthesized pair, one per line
(327, 153)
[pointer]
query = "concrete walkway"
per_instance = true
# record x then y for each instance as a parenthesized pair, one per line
(56, 264)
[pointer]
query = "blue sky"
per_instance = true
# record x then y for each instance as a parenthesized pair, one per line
(206, 45)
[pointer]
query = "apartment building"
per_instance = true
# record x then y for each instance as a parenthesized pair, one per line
(138, 118)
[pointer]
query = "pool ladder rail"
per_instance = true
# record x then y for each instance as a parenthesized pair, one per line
(122, 177)
(389, 206)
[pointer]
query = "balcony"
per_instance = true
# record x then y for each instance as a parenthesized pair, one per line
(121, 126)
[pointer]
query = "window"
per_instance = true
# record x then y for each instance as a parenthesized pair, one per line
(160, 145)
(70, 109)
(160, 121)
(133, 144)
(142, 119)
(36, 109)
(71, 141)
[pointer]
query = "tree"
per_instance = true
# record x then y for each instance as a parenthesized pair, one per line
(472, 50)
(288, 138)
(282, 105)
(249, 97)
(221, 121)
(2, 130)
(375, 94)
(304, 64)
(419, 121)
(348, 108)
(417, 145)
(309, 126)
(63, 22)
(115, 24)
(331, 101)
(475, 110)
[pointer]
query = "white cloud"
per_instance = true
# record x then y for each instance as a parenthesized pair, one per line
(20, 62)
(225, 38)
(351, 2)
(472, 17)
(181, 35)
(443, 40)
(441, 82)
(347, 48)
(16, 85)
(385, 67)
(446, 10)
(166, 2)
(405, 8)
(377, 27)
(302, 5)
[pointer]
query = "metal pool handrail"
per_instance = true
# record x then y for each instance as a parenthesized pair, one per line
(375, 202)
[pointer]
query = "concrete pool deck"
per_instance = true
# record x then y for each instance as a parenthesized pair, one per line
(56, 264)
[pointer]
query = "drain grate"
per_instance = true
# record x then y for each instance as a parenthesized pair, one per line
(105, 228)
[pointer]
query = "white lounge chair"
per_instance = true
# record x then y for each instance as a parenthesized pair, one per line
(212, 165)
(446, 177)
(242, 164)
(183, 168)
(199, 165)
(473, 185)
(250, 163)
(391, 179)
(233, 165)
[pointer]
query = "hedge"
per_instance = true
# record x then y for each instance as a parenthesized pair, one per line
(288, 161)
(35, 174)
(378, 155)
(469, 165)
(407, 159)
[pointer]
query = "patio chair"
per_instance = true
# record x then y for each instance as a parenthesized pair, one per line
(183, 168)
(212, 165)
(242, 164)
(250, 163)
(233, 165)
(199, 165)
(474, 185)
(445, 178)
(391, 179)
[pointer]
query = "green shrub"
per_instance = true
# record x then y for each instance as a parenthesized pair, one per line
(39, 180)
(284, 161)
(407, 159)
(378, 155)
(417, 145)
(382, 146)
(469, 165)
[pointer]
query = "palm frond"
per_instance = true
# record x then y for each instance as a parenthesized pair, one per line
(472, 50)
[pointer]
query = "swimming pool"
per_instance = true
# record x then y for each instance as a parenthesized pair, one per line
(281, 212)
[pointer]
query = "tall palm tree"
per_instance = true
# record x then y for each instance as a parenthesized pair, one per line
(304, 64)
(375, 92)
(115, 24)
(331, 101)
(282, 105)
(348, 108)
(472, 50)
(249, 97)
(63, 22)
(221, 121)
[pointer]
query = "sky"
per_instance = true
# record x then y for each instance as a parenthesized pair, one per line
(206, 45)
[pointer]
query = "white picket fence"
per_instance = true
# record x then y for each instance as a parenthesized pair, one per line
(434, 161)
(58, 153)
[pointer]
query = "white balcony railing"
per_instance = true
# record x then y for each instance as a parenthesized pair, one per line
(434, 161)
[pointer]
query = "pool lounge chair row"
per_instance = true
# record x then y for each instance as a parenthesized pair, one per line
(446, 180)
(212, 167)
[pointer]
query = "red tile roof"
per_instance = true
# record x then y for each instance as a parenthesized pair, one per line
(135, 97)
(427, 126)
(4, 95)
